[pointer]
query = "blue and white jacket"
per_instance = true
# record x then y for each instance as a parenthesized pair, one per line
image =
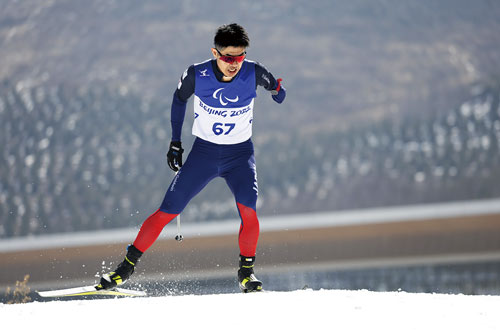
(223, 110)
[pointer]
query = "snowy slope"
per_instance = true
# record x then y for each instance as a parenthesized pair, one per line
(297, 311)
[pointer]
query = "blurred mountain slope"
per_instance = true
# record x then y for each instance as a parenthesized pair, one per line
(341, 60)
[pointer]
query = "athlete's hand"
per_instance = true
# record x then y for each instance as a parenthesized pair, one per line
(279, 93)
(174, 155)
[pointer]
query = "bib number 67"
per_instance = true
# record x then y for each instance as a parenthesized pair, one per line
(218, 128)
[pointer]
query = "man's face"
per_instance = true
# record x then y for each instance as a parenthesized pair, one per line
(228, 65)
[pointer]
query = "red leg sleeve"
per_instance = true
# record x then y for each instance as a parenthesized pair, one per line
(249, 231)
(151, 229)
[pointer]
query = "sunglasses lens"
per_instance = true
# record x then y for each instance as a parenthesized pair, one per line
(230, 60)
(239, 58)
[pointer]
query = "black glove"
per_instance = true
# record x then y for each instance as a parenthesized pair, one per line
(174, 155)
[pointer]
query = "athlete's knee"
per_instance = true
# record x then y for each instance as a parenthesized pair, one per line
(174, 203)
(171, 208)
(247, 198)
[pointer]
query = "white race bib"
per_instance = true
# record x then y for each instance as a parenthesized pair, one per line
(225, 125)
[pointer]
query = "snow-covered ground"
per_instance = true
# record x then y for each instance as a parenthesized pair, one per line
(296, 311)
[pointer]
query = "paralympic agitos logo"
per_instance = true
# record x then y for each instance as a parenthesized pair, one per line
(223, 100)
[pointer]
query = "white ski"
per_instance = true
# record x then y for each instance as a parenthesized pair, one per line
(91, 290)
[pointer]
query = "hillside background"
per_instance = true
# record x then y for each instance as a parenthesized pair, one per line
(389, 103)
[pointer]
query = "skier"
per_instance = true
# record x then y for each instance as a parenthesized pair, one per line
(224, 89)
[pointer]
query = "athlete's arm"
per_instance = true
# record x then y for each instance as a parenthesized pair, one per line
(184, 90)
(265, 79)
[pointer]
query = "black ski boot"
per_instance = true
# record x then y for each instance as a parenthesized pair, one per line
(246, 278)
(123, 272)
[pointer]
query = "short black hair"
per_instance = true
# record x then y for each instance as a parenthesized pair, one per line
(231, 35)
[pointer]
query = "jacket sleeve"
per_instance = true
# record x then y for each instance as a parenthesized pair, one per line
(265, 79)
(184, 90)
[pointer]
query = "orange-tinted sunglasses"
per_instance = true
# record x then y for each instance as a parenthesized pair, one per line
(231, 59)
